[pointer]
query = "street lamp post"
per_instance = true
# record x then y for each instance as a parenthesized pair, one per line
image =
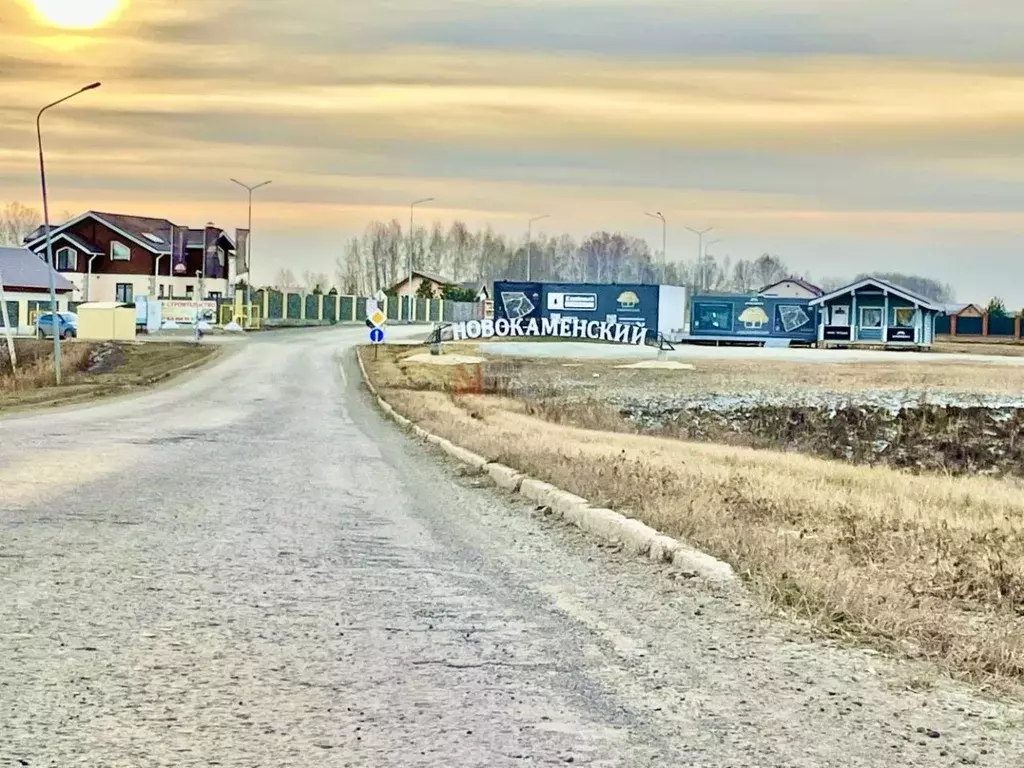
(412, 208)
(248, 247)
(529, 242)
(46, 225)
(704, 259)
(700, 250)
(664, 242)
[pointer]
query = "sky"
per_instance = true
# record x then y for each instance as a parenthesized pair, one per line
(842, 135)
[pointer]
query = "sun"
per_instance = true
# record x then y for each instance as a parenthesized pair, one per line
(76, 14)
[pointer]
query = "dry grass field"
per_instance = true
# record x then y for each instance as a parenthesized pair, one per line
(123, 367)
(927, 566)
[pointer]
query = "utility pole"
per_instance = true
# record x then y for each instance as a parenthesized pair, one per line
(664, 242)
(46, 223)
(700, 251)
(529, 243)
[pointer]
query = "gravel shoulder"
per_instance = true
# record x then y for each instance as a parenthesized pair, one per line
(254, 569)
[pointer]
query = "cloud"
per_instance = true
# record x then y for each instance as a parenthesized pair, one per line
(777, 120)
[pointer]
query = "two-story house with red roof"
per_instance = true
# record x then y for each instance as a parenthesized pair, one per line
(114, 257)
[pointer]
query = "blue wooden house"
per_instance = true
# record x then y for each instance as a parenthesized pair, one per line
(876, 312)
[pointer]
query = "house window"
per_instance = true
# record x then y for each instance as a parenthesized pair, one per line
(188, 290)
(215, 296)
(904, 317)
(124, 293)
(220, 256)
(870, 317)
(120, 252)
(67, 260)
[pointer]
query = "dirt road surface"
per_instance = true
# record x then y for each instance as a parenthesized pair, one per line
(253, 569)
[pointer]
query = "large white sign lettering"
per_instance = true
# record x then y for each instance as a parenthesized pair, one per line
(564, 327)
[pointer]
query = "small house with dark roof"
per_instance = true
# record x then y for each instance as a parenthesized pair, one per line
(407, 287)
(116, 257)
(792, 288)
(26, 287)
(876, 312)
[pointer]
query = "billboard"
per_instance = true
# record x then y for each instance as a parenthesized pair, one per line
(179, 251)
(185, 311)
(753, 317)
(242, 251)
(614, 304)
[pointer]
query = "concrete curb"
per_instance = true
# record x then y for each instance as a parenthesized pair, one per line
(634, 536)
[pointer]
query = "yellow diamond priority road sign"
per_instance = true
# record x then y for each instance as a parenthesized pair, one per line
(378, 318)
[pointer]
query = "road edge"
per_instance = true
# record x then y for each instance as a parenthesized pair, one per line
(633, 535)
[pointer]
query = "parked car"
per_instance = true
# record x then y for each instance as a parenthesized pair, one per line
(67, 325)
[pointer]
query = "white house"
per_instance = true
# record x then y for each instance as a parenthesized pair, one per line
(792, 288)
(26, 288)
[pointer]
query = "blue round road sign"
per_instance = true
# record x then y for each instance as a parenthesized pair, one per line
(377, 335)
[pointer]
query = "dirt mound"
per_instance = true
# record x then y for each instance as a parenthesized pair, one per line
(105, 358)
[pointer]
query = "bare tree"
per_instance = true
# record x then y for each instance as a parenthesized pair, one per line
(768, 269)
(285, 281)
(16, 222)
(314, 282)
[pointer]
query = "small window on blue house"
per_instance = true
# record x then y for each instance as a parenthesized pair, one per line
(903, 317)
(870, 317)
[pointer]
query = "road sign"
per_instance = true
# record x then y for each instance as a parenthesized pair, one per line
(378, 318)
(377, 336)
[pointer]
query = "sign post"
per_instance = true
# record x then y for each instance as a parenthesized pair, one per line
(376, 320)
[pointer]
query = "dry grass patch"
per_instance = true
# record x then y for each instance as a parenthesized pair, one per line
(929, 566)
(734, 375)
(125, 366)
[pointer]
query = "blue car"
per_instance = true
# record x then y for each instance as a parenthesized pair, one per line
(67, 325)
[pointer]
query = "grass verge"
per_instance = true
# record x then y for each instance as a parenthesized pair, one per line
(91, 370)
(926, 566)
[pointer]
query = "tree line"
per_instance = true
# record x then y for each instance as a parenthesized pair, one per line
(379, 259)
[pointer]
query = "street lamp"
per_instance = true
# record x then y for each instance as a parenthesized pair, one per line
(46, 224)
(248, 248)
(529, 241)
(664, 241)
(700, 250)
(412, 208)
(704, 260)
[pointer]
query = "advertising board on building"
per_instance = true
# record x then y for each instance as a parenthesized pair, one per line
(185, 311)
(753, 316)
(626, 304)
(900, 334)
(836, 333)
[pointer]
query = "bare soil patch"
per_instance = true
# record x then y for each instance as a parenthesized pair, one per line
(927, 566)
(90, 370)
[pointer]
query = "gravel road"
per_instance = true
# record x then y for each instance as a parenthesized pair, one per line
(252, 569)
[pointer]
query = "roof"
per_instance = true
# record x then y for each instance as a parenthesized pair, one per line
(145, 231)
(78, 242)
(21, 268)
(798, 281)
(476, 286)
(101, 305)
(426, 276)
(885, 285)
(956, 309)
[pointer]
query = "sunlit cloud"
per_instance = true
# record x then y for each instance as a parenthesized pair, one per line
(785, 126)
